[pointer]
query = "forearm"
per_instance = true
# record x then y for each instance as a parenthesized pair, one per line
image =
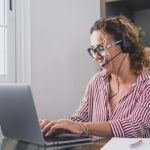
(102, 128)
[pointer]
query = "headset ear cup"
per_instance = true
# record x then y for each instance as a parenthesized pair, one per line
(126, 46)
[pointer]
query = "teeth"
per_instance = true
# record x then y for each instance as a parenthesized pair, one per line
(101, 66)
(102, 63)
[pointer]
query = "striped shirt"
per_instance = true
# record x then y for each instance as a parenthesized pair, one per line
(130, 117)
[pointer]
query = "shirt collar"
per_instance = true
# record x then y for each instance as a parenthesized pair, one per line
(142, 77)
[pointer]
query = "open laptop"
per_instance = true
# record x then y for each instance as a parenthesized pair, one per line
(19, 120)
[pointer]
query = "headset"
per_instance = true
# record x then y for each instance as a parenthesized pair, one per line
(126, 45)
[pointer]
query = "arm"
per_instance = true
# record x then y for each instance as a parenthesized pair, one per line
(93, 128)
(138, 123)
(102, 128)
(82, 114)
(135, 125)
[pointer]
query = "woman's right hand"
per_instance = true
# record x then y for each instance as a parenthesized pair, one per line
(46, 125)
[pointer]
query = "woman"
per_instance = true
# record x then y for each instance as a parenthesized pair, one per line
(117, 99)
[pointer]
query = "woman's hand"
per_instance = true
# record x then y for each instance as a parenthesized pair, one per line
(51, 127)
(46, 125)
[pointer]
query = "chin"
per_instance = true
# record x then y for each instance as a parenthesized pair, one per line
(106, 70)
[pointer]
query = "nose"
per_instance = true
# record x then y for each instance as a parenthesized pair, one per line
(99, 57)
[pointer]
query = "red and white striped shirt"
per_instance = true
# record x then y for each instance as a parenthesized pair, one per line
(130, 117)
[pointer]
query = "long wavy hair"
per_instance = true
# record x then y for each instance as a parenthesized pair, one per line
(140, 56)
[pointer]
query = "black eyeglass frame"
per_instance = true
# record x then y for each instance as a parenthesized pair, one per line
(100, 48)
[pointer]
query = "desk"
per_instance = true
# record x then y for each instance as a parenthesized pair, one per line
(9, 144)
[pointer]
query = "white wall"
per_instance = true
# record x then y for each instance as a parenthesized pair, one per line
(60, 64)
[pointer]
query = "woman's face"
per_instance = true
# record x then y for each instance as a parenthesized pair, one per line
(108, 55)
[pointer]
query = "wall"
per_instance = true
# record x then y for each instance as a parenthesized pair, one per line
(60, 64)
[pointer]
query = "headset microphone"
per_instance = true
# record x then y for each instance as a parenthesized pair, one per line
(105, 63)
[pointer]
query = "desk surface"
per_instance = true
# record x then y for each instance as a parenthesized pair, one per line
(9, 144)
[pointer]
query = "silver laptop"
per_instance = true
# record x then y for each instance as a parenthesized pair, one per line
(19, 120)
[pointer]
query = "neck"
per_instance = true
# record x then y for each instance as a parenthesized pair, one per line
(125, 75)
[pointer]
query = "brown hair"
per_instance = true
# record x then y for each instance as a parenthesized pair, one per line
(139, 56)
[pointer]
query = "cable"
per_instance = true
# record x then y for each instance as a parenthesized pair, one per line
(117, 78)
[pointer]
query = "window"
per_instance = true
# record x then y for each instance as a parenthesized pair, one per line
(7, 41)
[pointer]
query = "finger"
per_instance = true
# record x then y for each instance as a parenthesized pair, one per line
(48, 126)
(60, 128)
(43, 123)
(75, 128)
(52, 130)
(65, 121)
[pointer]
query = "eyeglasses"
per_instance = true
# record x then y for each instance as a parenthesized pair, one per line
(101, 48)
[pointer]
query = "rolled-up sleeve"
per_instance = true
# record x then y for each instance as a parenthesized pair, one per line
(137, 123)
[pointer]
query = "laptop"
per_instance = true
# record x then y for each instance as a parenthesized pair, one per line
(19, 120)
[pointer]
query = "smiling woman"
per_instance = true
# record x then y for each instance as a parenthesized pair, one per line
(117, 99)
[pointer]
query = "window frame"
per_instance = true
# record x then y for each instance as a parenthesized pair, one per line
(10, 77)
(23, 42)
(19, 59)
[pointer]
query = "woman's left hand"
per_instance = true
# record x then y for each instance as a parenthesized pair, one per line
(67, 125)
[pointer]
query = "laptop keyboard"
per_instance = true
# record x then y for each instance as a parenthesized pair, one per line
(66, 137)
(63, 137)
